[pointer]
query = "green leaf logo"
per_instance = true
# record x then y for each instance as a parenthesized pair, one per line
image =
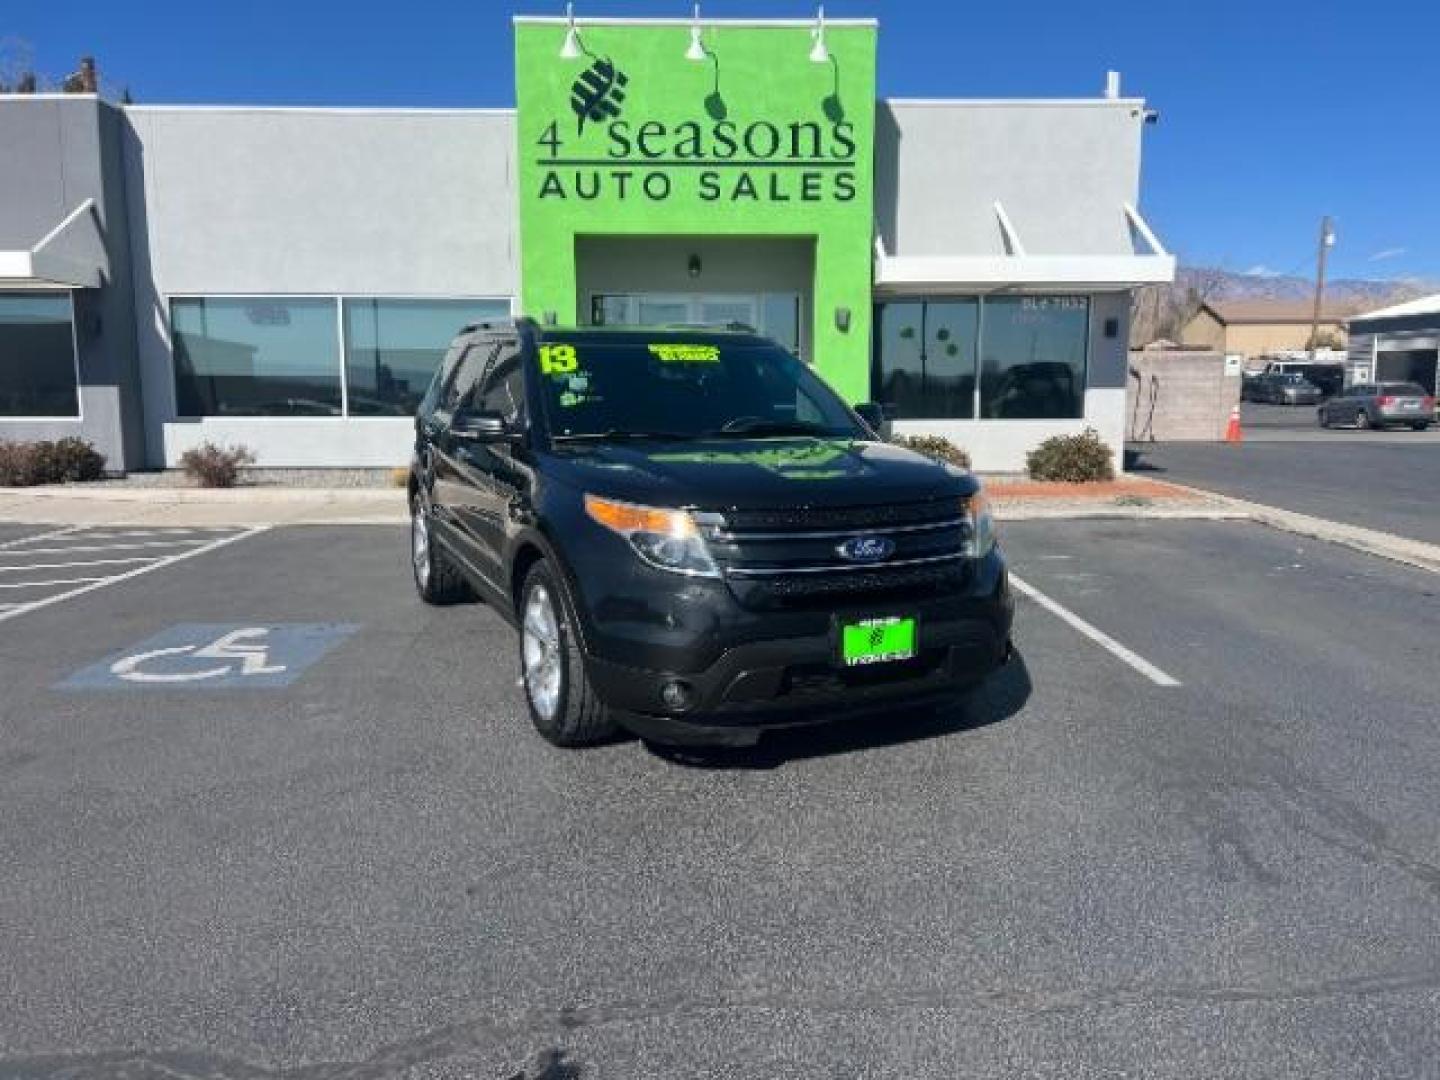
(598, 93)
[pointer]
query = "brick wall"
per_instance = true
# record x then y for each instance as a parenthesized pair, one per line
(1179, 396)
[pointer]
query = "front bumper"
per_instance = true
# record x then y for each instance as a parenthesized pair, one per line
(759, 681)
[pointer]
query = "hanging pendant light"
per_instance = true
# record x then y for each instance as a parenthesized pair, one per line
(696, 51)
(570, 50)
(819, 54)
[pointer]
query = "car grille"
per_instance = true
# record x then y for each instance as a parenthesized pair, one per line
(791, 557)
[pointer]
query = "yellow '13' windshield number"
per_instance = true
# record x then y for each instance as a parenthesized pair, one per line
(558, 359)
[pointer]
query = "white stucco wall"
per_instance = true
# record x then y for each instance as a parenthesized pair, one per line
(359, 202)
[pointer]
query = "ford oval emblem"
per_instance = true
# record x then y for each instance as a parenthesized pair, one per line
(866, 548)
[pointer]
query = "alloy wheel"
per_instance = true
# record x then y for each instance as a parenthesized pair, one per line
(540, 649)
(420, 545)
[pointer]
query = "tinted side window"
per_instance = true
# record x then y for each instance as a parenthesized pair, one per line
(503, 388)
(442, 376)
(471, 370)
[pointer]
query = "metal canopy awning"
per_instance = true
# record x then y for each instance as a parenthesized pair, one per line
(1017, 270)
(69, 256)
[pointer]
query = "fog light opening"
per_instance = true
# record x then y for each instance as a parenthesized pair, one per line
(677, 696)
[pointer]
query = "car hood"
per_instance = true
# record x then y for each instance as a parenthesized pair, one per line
(756, 473)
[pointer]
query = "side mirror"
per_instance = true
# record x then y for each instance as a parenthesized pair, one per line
(875, 415)
(480, 427)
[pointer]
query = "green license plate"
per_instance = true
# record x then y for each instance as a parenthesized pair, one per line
(877, 641)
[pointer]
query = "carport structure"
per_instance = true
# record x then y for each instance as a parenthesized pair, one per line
(1398, 344)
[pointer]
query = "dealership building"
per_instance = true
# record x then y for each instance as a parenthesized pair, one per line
(288, 278)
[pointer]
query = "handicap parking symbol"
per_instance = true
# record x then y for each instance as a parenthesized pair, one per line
(215, 655)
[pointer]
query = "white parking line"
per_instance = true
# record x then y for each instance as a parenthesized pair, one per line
(66, 565)
(1104, 640)
(40, 536)
(159, 564)
(128, 534)
(37, 584)
(139, 545)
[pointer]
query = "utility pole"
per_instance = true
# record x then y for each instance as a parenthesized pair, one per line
(1327, 241)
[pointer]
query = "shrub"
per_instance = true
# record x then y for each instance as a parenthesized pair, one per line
(75, 460)
(216, 466)
(24, 464)
(934, 446)
(1072, 458)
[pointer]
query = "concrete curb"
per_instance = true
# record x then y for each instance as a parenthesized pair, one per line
(82, 505)
(1416, 553)
(99, 493)
(1399, 549)
(1040, 511)
(78, 505)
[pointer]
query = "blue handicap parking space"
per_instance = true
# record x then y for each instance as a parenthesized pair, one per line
(215, 656)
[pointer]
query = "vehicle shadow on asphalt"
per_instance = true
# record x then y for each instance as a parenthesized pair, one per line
(1135, 462)
(1000, 698)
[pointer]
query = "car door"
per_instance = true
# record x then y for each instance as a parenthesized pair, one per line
(453, 477)
(498, 473)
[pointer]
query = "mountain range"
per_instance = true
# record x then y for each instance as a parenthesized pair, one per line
(1213, 283)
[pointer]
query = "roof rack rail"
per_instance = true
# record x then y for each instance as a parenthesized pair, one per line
(733, 325)
(505, 322)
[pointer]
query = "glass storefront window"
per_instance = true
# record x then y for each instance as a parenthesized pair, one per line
(1033, 358)
(776, 315)
(950, 330)
(926, 358)
(37, 356)
(1032, 353)
(899, 351)
(392, 348)
(256, 356)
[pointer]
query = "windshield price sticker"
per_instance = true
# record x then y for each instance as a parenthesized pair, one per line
(687, 354)
(558, 359)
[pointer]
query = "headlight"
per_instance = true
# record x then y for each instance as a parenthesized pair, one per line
(667, 539)
(979, 526)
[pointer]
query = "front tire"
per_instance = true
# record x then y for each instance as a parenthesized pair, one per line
(562, 702)
(1420, 426)
(437, 579)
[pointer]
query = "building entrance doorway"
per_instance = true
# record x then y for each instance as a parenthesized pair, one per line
(776, 315)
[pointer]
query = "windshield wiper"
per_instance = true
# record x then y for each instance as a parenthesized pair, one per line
(757, 425)
(619, 435)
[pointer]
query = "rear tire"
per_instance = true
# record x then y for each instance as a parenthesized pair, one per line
(562, 702)
(437, 579)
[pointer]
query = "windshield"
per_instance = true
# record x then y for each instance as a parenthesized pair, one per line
(687, 390)
(1403, 389)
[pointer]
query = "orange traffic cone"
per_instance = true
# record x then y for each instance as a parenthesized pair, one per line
(1232, 429)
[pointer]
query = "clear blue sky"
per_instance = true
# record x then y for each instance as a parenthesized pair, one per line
(1274, 112)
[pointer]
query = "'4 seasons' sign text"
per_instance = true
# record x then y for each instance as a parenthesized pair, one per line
(714, 160)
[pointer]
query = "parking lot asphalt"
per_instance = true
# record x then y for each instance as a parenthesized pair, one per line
(379, 870)
(1378, 480)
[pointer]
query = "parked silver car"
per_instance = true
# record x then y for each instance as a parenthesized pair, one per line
(1288, 389)
(1368, 405)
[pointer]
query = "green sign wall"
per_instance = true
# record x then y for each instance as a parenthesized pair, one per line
(755, 140)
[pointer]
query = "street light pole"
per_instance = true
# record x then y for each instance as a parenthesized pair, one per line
(1327, 241)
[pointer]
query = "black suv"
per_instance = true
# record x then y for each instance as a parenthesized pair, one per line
(695, 537)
